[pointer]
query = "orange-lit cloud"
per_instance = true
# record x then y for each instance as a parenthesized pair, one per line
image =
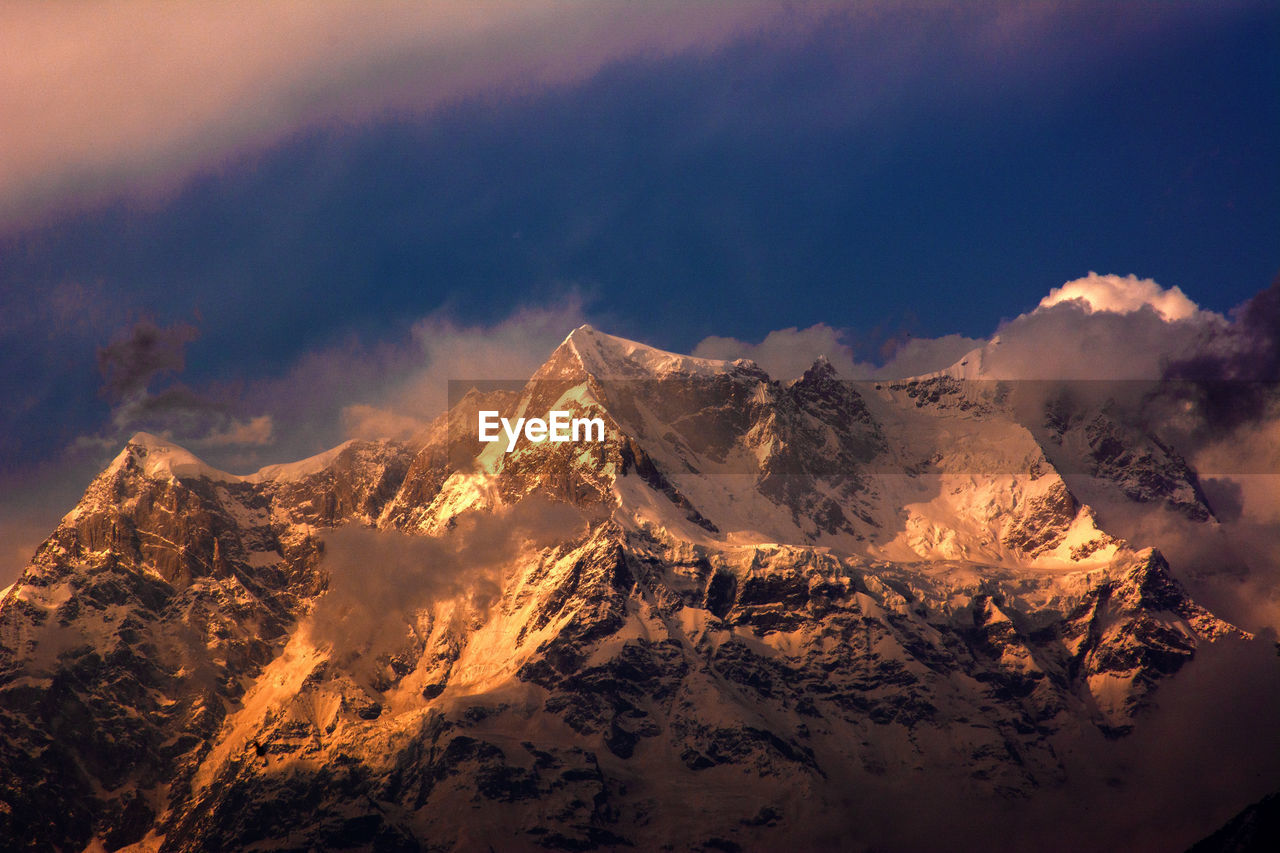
(100, 96)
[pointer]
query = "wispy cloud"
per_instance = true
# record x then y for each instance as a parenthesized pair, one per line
(787, 353)
(381, 581)
(101, 97)
(98, 96)
(392, 389)
(146, 354)
(145, 351)
(443, 350)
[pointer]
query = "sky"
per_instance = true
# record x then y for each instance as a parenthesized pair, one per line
(264, 230)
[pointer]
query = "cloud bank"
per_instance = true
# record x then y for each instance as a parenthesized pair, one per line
(100, 95)
(1094, 327)
(787, 353)
(1212, 394)
(103, 98)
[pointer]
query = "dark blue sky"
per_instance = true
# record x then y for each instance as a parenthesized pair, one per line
(879, 179)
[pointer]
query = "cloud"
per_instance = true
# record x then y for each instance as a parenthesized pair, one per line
(103, 98)
(1248, 349)
(387, 390)
(133, 359)
(1100, 327)
(925, 355)
(442, 350)
(1117, 295)
(381, 581)
(1208, 381)
(1228, 389)
(787, 353)
(369, 423)
(1069, 341)
(1236, 368)
(138, 358)
(257, 431)
(99, 95)
(1214, 377)
(1210, 391)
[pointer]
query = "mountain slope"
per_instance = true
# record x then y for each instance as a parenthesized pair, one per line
(751, 600)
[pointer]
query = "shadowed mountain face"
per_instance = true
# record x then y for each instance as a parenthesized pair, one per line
(755, 616)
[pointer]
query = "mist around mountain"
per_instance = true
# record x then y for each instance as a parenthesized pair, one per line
(968, 609)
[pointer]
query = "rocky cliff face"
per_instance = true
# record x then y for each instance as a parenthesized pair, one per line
(764, 600)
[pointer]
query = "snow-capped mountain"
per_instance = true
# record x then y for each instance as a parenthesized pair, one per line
(758, 615)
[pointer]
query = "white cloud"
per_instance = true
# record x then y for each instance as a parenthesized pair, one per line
(370, 423)
(1100, 327)
(1123, 295)
(1106, 327)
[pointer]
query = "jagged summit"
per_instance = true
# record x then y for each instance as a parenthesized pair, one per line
(822, 370)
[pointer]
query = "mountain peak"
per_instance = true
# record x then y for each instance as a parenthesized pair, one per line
(606, 356)
(159, 458)
(821, 367)
(147, 439)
